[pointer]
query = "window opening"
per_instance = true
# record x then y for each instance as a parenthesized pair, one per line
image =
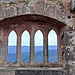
(25, 46)
(12, 43)
(38, 47)
(52, 47)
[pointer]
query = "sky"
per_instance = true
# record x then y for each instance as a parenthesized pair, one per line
(25, 38)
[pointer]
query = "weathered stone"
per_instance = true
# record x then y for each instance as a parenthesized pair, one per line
(37, 5)
(39, 72)
(7, 72)
(10, 12)
(56, 9)
(1, 12)
(71, 36)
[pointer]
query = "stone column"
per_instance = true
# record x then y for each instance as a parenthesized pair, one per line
(32, 49)
(46, 49)
(18, 49)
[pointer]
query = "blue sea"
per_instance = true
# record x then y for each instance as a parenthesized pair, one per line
(38, 54)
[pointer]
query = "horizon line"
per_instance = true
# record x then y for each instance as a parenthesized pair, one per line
(37, 45)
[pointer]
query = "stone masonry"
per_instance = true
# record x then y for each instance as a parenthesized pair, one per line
(19, 15)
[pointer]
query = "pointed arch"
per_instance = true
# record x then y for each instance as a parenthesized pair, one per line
(38, 47)
(12, 43)
(52, 47)
(25, 46)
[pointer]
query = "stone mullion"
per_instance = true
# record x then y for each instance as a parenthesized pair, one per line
(18, 49)
(32, 49)
(46, 49)
(59, 49)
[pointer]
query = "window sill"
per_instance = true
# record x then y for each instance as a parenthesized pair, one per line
(30, 68)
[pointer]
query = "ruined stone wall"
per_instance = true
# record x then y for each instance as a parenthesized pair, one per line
(39, 72)
(51, 8)
(57, 9)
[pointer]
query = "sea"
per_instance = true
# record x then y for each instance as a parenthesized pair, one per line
(38, 54)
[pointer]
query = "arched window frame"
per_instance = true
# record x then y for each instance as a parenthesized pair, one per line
(35, 31)
(57, 46)
(52, 23)
(16, 44)
(21, 44)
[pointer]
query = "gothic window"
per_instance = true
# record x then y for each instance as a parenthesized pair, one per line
(25, 46)
(12, 42)
(38, 46)
(52, 47)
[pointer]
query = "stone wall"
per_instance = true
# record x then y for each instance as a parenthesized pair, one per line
(7, 72)
(32, 72)
(39, 72)
(57, 9)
